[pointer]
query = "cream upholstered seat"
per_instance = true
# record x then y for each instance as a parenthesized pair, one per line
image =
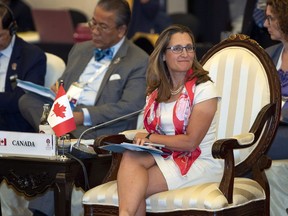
(248, 115)
(54, 69)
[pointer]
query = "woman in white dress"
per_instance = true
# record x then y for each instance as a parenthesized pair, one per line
(179, 113)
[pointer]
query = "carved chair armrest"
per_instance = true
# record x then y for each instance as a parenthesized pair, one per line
(104, 139)
(125, 136)
(223, 149)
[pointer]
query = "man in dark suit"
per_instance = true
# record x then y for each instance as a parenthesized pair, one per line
(18, 60)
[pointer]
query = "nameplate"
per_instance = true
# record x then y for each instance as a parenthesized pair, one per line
(35, 145)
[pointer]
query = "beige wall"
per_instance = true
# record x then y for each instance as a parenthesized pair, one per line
(87, 6)
(175, 6)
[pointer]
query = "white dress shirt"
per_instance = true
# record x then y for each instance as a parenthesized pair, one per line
(4, 61)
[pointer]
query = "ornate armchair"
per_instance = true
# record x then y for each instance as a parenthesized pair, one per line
(248, 115)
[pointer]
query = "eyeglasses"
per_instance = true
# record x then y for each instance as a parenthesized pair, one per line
(100, 26)
(270, 19)
(179, 49)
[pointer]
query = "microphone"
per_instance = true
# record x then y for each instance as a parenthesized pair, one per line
(81, 150)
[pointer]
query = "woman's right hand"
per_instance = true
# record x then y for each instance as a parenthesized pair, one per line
(140, 139)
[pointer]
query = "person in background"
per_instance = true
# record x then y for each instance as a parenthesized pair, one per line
(277, 26)
(22, 14)
(109, 70)
(253, 23)
(18, 60)
(213, 19)
(236, 8)
(179, 113)
(147, 17)
(111, 86)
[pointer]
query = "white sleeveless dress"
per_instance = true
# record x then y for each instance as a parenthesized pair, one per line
(205, 168)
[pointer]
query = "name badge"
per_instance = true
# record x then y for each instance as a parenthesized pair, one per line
(74, 93)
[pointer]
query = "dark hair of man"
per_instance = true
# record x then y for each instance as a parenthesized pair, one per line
(122, 9)
(158, 75)
(6, 16)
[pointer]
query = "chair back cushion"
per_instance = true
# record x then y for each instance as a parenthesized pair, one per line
(55, 68)
(239, 71)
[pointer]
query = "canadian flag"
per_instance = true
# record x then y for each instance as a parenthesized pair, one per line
(61, 117)
(3, 142)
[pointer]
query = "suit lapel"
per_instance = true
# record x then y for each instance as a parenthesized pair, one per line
(120, 55)
(86, 57)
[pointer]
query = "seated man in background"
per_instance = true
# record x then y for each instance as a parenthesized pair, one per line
(21, 60)
(18, 59)
(111, 85)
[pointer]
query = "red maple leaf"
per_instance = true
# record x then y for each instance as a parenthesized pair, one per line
(59, 110)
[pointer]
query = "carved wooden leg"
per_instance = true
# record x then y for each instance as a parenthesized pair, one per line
(62, 194)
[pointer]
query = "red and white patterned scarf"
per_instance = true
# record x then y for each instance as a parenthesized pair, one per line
(181, 114)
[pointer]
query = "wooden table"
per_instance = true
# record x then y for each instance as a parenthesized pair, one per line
(32, 176)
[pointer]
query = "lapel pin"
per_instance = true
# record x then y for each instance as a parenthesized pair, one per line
(117, 60)
(14, 66)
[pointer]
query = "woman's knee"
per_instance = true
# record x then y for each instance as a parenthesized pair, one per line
(140, 158)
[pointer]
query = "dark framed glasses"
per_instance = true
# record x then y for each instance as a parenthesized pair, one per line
(179, 49)
(100, 26)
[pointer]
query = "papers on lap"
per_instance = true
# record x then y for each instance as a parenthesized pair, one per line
(119, 148)
(37, 89)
